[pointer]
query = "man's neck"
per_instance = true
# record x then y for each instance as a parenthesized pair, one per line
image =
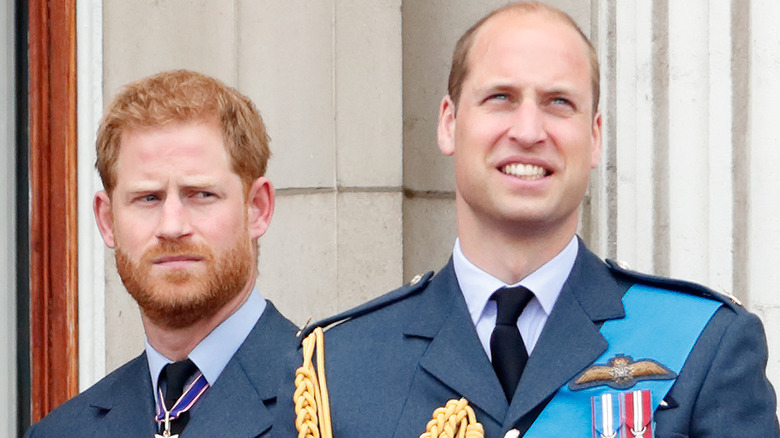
(511, 254)
(177, 343)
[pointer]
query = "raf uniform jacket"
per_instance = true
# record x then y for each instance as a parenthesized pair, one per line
(396, 359)
(240, 404)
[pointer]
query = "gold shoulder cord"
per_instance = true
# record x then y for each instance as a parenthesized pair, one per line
(455, 420)
(312, 407)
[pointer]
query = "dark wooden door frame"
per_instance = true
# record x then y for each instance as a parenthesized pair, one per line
(53, 199)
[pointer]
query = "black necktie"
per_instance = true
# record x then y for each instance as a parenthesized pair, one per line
(175, 375)
(506, 345)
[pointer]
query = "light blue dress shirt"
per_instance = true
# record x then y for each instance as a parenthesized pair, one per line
(213, 353)
(546, 284)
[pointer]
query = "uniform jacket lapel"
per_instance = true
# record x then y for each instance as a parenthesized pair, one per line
(126, 406)
(570, 340)
(455, 356)
(238, 403)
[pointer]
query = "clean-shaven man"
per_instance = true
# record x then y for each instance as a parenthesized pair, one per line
(535, 333)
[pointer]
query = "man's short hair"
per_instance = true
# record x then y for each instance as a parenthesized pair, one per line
(460, 56)
(185, 96)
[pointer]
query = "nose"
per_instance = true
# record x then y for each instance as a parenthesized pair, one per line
(174, 220)
(527, 128)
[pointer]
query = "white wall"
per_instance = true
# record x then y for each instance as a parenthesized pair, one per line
(762, 180)
(92, 308)
(688, 186)
(7, 220)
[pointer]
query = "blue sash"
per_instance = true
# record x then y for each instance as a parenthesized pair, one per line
(660, 325)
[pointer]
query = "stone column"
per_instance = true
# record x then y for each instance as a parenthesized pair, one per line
(761, 179)
(688, 189)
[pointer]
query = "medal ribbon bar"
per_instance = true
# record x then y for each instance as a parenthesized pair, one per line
(638, 414)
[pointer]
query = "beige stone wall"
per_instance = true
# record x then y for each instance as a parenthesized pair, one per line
(350, 91)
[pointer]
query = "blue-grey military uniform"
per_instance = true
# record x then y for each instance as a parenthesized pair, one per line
(392, 361)
(241, 403)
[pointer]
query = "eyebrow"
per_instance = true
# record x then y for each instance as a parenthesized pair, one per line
(199, 182)
(144, 186)
(497, 86)
(508, 85)
(152, 186)
(568, 90)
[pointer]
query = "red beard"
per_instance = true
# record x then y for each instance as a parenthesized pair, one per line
(179, 298)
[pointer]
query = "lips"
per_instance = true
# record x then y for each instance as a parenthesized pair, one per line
(528, 172)
(176, 259)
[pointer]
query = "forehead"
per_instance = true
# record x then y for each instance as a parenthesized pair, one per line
(529, 43)
(180, 147)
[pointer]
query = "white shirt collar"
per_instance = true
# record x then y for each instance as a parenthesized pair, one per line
(213, 353)
(546, 282)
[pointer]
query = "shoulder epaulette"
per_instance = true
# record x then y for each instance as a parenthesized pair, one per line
(415, 286)
(688, 287)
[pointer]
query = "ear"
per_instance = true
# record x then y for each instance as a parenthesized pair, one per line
(446, 128)
(260, 206)
(595, 156)
(104, 217)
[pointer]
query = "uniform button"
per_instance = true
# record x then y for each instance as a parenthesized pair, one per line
(512, 433)
(416, 279)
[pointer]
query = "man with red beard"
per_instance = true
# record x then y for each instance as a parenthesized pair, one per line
(183, 158)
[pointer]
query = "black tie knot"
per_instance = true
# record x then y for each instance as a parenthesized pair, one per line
(175, 376)
(510, 302)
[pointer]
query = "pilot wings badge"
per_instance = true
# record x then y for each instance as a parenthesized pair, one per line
(621, 372)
